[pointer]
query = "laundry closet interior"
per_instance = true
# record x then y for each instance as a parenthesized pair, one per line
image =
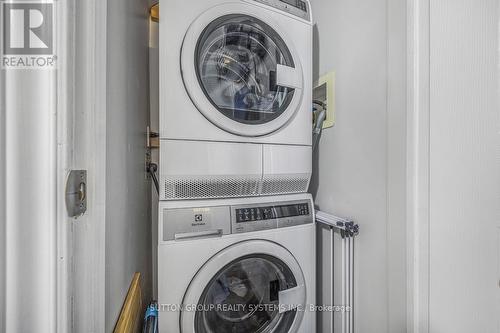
(217, 97)
(259, 152)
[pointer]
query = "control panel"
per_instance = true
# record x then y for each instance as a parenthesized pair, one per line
(298, 8)
(216, 221)
(252, 214)
(270, 216)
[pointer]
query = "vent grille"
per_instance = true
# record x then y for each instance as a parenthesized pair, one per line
(210, 187)
(178, 188)
(285, 184)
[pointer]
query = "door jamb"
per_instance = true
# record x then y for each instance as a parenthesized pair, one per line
(418, 162)
(88, 233)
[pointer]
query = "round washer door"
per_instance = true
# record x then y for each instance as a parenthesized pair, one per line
(252, 286)
(241, 70)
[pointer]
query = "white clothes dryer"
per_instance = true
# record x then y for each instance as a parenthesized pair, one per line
(235, 98)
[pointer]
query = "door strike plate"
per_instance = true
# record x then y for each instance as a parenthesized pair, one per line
(76, 193)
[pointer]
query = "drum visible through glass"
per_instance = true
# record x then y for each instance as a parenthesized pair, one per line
(243, 297)
(236, 62)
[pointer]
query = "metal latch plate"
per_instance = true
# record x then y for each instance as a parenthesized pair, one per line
(76, 193)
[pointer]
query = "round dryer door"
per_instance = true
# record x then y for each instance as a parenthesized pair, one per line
(240, 70)
(253, 286)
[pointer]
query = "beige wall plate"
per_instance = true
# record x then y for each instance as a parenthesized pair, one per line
(324, 91)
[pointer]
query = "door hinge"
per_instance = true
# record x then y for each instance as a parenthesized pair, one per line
(76, 193)
(152, 139)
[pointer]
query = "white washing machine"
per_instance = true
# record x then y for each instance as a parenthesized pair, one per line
(235, 98)
(237, 265)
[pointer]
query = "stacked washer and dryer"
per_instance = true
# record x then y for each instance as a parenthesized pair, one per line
(236, 245)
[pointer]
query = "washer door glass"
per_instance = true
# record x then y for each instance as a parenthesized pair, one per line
(243, 297)
(237, 59)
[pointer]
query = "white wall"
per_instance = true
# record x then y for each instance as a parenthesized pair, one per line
(464, 166)
(360, 166)
(128, 227)
(154, 122)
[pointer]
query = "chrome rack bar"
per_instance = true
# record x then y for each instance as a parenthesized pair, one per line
(346, 227)
(347, 230)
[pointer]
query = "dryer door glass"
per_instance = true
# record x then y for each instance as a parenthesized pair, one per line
(244, 297)
(237, 62)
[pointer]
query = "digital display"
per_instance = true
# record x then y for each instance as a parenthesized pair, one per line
(297, 4)
(270, 212)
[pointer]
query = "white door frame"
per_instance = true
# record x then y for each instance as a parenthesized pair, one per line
(418, 158)
(88, 151)
(35, 229)
(64, 19)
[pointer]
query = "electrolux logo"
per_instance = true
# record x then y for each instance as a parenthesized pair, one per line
(198, 220)
(28, 35)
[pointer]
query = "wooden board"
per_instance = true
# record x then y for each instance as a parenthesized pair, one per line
(131, 314)
(155, 12)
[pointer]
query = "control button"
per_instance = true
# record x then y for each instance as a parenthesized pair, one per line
(268, 213)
